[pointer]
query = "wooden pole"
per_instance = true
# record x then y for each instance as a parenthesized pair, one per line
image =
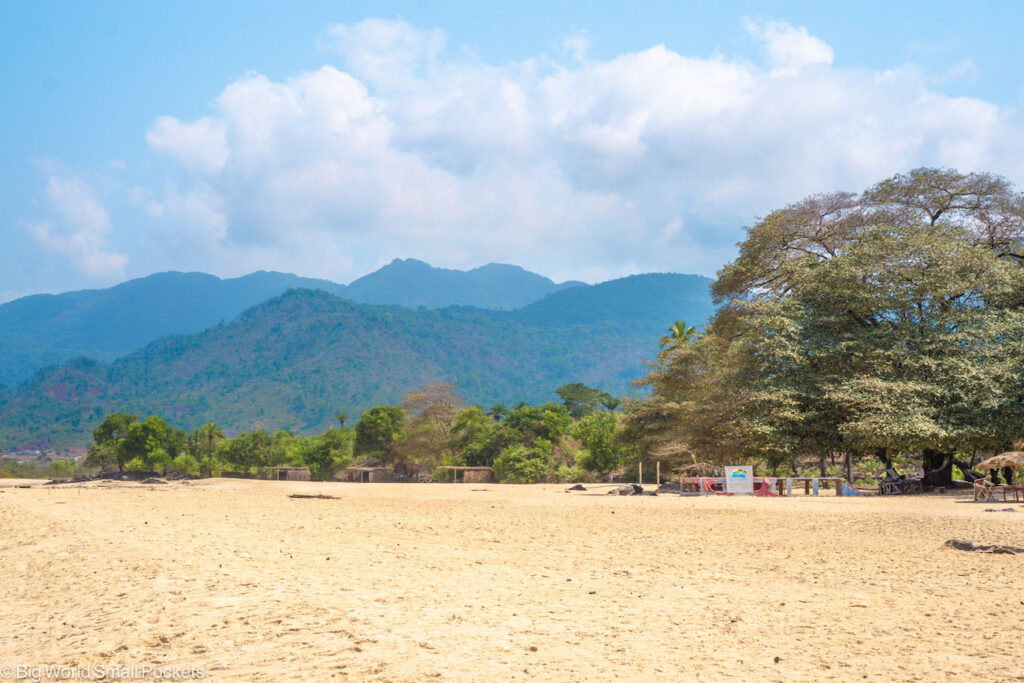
(657, 474)
(641, 474)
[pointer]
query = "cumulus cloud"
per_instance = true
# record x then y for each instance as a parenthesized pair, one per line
(651, 160)
(199, 146)
(79, 227)
(790, 47)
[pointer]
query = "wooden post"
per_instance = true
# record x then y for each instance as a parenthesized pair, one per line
(839, 487)
(641, 482)
(657, 474)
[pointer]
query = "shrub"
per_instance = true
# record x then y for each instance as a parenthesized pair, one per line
(519, 464)
(185, 464)
(63, 468)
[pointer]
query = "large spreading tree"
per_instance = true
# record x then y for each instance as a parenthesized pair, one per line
(886, 322)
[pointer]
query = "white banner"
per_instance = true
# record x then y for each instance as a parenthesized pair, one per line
(739, 479)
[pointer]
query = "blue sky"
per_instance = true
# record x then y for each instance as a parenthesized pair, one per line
(578, 139)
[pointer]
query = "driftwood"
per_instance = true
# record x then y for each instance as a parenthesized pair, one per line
(627, 490)
(310, 495)
(995, 549)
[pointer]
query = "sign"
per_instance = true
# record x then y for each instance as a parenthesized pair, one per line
(739, 479)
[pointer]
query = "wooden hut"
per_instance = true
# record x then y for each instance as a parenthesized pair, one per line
(369, 475)
(467, 475)
(285, 473)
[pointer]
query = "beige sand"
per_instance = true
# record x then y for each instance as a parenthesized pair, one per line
(488, 582)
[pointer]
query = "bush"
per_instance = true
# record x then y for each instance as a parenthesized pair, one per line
(185, 464)
(136, 465)
(519, 464)
(63, 468)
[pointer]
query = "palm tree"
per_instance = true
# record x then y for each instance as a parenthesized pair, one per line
(341, 417)
(210, 432)
(678, 335)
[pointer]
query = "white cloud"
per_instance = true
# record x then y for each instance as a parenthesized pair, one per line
(651, 160)
(394, 52)
(79, 227)
(576, 45)
(790, 47)
(199, 146)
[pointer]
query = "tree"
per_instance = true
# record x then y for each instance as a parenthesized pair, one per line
(875, 324)
(341, 417)
(597, 433)
(431, 416)
(328, 452)
(521, 464)
(580, 400)
(209, 434)
(107, 438)
(678, 334)
(498, 412)
(549, 421)
(477, 439)
(378, 430)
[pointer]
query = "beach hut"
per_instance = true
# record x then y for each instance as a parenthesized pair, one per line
(285, 473)
(467, 475)
(367, 475)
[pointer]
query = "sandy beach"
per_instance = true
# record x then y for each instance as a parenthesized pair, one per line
(490, 582)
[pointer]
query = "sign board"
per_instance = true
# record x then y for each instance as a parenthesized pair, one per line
(739, 479)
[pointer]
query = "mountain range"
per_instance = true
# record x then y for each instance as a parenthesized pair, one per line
(44, 329)
(295, 359)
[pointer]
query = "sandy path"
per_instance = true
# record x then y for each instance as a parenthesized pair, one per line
(471, 582)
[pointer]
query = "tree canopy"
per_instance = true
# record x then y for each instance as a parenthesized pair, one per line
(889, 321)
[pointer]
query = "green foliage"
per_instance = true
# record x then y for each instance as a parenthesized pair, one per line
(185, 464)
(598, 432)
(378, 430)
(887, 323)
(521, 464)
(291, 361)
(549, 422)
(64, 468)
(580, 400)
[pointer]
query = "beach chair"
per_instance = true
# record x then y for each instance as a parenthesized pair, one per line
(983, 490)
(889, 488)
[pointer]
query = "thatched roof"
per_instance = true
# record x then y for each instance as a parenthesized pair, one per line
(1007, 459)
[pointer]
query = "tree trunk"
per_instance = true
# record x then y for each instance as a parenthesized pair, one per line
(821, 466)
(970, 474)
(883, 457)
(849, 468)
(938, 467)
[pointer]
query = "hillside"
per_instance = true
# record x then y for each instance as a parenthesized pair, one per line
(292, 362)
(45, 329)
(413, 283)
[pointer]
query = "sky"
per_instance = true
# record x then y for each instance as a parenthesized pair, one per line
(580, 140)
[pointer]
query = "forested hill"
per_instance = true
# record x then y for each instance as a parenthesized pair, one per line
(413, 283)
(293, 361)
(44, 329)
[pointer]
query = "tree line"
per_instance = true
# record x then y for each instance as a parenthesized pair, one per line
(575, 438)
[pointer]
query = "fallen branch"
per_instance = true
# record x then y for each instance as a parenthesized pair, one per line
(310, 495)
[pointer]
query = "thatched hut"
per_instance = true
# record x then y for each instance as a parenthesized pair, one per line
(285, 473)
(367, 475)
(467, 475)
